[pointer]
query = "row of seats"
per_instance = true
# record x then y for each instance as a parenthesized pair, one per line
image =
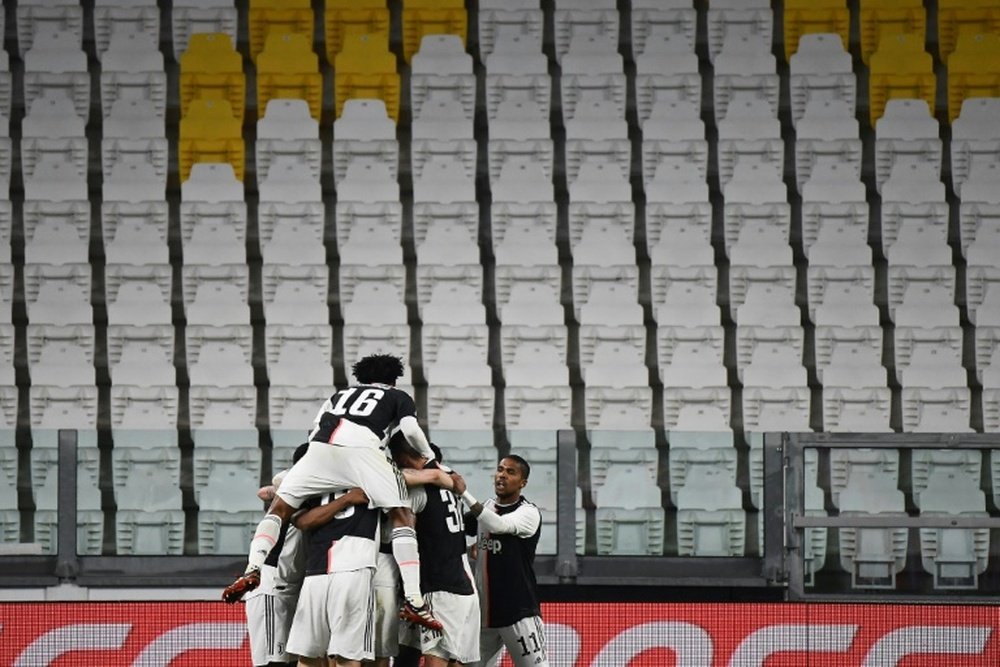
(600, 207)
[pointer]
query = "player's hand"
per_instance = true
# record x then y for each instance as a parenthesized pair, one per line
(266, 493)
(357, 497)
(459, 483)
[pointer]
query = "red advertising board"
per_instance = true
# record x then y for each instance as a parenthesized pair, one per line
(194, 634)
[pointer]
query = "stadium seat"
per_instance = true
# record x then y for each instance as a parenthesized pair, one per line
(532, 415)
(212, 69)
(572, 23)
(36, 20)
(729, 20)
(973, 141)
(144, 416)
(936, 409)
(685, 296)
(213, 234)
(900, 68)
(906, 132)
(209, 132)
(269, 17)
(366, 69)
(132, 71)
(225, 482)
(446, 233)
(61, 356)
(216, 294)
(462, 417)
(973, 69)
(56, 232)
(55, 62)
(361, 340)
(219, 355)
(369, 233)
(288, 68)
(120, 17)
(745, 66)
(223, 416)
(344, 18)
(619, 416)
(804, 17)
(455, 355)
(524, 234)
(296, 355)
(450, 294)
(190, 17)
(426, 17)
(534, 356)
(291, 233)
(613, 356)
(826, 131)
(710, 518)
(141, 355)
(629, 516)
(138, 294)
(954, 556)
(955, 18)
(660, 28)
(505, 28)
(373, 294)
(881, 19)
(295, 294)
(602, 234)
(529, 295)
(873, 556)
(821, 70)
(58, 293)
(291, 411)
(606, 295)
(443, 170)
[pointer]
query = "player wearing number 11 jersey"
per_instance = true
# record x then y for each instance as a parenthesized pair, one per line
(346, 450)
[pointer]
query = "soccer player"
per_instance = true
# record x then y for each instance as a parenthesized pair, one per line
(446, 580)
(335, 616)
(271, 606)
(346, 447)
(508, 530)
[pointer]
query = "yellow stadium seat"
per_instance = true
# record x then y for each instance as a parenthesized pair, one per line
(278, 16)
(212, 69)
(881, 18)
(900, 68)
(288, 68)
(965, 17)
(973, 70)
(433, 20)
(807, 16)
(341, 21)
(348, 4)
(365, 68)
(210, 133)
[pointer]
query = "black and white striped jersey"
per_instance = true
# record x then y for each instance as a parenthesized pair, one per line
(376, 407)
(348, 542)
(444, 565)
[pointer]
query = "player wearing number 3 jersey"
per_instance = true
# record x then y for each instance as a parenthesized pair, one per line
(346, 450)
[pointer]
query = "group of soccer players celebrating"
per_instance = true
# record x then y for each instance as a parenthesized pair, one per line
(363, 560)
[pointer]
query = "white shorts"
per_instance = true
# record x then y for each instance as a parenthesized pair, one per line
(269, 618)
(335, 616)
(325, 468)
(460, 639)
(525, 642)
(387, 604)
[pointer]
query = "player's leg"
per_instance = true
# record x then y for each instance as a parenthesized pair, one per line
(408, 656)
(351, 617)
(490, 644)
(386, 488)
(525, 642)
(309, 635)
(264, 539)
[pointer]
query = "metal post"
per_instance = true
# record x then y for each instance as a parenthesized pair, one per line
(566, 565)
(67, 565)
(773, 508)
(794, 506)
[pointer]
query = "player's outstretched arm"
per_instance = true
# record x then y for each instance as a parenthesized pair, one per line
(522, 522)
(434, 476)
(317, 516)
(415, 435)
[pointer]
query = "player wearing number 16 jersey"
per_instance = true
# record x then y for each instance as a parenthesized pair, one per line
(346, 450)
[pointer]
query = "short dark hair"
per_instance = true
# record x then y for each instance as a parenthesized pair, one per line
(379, 368)
(521, 463)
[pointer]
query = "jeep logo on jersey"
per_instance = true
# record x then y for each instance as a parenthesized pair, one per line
(491, 545)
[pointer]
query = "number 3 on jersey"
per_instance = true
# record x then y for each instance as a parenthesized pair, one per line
(361, 405)
(454, 519)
